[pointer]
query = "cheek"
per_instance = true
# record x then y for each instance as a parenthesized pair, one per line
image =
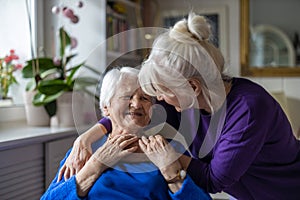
(171, 100)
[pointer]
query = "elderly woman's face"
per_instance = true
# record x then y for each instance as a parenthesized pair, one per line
(130, 106)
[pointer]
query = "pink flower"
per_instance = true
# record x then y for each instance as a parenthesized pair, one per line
(18, 66)
(8, 59)
(68, 13)
(7, 69)
(75, 19)
(73, 42)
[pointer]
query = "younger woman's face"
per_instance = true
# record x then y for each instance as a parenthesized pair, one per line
(180, 98)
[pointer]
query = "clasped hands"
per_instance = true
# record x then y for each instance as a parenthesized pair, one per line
(156, 148)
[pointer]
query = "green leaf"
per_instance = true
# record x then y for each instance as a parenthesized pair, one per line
(65, 41)
(68, 58)
(40, 99)
(72, 70)
(51, 87)
(51, 108)
(37, 66)
(49, 72)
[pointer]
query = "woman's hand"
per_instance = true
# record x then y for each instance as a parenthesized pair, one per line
(164, 156)
(79, 155)
(115, 148)
(158, 150)
(81, 151)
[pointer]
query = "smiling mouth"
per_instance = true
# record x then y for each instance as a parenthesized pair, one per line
(135, 114)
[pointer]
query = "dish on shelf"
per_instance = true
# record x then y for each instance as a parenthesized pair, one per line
(270, 46)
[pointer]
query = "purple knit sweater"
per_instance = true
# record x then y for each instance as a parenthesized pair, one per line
(256, 156)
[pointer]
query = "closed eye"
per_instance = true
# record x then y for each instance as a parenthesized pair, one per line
(125, 97)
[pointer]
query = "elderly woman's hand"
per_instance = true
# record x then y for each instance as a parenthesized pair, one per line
(79, 155)
(115, 148)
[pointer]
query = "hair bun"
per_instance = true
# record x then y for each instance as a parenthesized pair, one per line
(180, 31)
(199, 26)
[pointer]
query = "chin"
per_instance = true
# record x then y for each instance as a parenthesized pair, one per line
(140, 124)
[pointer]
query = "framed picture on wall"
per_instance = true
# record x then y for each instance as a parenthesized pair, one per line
(218, 19)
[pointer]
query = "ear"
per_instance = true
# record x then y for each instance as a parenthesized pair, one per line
(196, 85)
(105, 111)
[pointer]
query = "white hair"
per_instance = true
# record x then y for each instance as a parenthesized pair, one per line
(183, 52)
(110, 83)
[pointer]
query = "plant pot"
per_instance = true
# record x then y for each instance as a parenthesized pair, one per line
(35, 115)
(6, 102)
(70, 109)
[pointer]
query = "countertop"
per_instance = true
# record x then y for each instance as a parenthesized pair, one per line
(18, 132)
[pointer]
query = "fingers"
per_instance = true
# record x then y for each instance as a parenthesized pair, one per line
(127, 142)
(142, 144)
(61, 172)
(123, 141)
(67, 173)
(153, 143)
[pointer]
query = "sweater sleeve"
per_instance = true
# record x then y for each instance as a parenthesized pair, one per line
(105, 121)
(189, 190)
(63, 190)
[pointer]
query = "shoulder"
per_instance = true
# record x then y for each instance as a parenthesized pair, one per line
(247, 94)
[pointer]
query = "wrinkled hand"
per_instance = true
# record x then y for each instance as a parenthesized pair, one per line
(115, 148)
(158, 150)
(79, 155)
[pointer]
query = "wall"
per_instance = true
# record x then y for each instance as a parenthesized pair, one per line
(89, 31)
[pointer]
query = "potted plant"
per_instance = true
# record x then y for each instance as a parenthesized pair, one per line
(52, 78)
(8, 66)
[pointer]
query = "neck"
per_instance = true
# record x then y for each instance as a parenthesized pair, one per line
(117, 130)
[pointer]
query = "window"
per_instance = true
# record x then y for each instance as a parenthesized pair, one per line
(15, 34)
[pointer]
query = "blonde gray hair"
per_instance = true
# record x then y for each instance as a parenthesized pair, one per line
(183, 52)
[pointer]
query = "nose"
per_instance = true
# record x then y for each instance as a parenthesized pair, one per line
(135, 102)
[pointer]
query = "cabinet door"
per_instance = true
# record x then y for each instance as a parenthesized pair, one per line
(55, 151)
(22, 172)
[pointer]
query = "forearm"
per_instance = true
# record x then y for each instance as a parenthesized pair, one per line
(88, 175)
(171, 171)
(93, 134)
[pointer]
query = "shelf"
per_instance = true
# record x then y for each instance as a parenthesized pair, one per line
(121, 44)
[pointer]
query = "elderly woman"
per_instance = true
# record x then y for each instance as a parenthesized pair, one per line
(118, 169)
